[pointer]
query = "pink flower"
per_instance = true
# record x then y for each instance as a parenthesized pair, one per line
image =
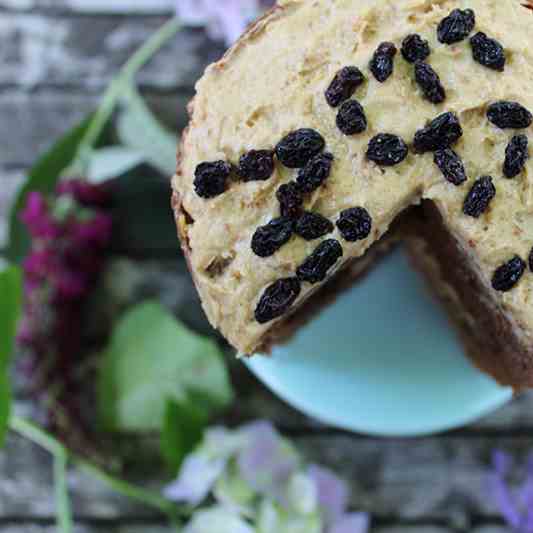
(85, 193)
(96, 231)
(38, 219)
(224, 19)
(39, 264)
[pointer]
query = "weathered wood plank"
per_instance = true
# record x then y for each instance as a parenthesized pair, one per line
(31, 122)
(444, 479)
(155, 528)
(129, 7)
(26, 527)
(78, 51)
(10, 180)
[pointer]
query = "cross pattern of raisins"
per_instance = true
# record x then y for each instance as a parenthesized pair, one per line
(303, 149)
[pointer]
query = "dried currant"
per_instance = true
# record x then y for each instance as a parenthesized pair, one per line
(386, 149)
(456, 26)
(451, 165)
(210, 178)
(343, 85)
(488, 52)
(315, 172)
(508, 275)
(428, 80)
(414, 48)
(351, 118)
(290, 199)
(316, 266)
(277, 299)
(298, 147)
(516, 155)
(440, 133)
(268, 239)
(382, 62)
(256, 165)
(478, 199)
(311, 226)
(355, 224)
(509, 115)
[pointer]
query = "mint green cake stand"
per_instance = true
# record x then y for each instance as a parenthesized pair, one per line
(382, 360)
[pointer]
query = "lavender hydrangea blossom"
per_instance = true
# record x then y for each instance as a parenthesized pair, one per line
(224, 19)
(260, 484)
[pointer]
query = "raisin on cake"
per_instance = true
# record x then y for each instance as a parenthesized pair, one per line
(312, 136)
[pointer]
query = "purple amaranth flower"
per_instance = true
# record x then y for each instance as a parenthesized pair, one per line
(69, 241)
(85, 193)
(514, 503)
(224, 19)
(95, 231)
(38, 219)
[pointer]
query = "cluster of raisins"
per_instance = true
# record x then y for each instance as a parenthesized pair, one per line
(303, 149)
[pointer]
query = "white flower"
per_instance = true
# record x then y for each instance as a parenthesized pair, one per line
(197, 477)
(302, 494)
(234, 493)
(273, 518)
(223, 19)
(217, 520)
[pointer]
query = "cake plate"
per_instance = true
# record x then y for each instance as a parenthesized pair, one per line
(382, 360)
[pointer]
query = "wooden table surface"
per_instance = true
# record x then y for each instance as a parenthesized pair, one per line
(55, 59)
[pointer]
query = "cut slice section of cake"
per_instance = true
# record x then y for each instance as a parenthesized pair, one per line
(313, 134)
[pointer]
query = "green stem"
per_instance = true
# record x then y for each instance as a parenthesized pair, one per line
(131, 491)
(37, 435)
(64, 513)
(58, 451)
(119, 85)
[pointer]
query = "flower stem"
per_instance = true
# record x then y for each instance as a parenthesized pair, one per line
(63, 510)
(119, 85)
(152, 499)
(58, 451)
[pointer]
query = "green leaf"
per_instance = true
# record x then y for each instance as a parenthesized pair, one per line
(152, 358)
(112, 162)
(10, 302)
(138, 128)
(5, 405)
(183, 428)
(43, 177)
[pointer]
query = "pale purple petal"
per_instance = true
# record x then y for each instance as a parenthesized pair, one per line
(351, 523)
(501, 493)
(266, 463)
(224, 19)
(193, 12)
(332, 492)
(197, 477)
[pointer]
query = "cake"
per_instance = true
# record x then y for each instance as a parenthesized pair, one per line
(331, 120)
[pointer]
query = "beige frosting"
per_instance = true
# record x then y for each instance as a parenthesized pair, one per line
(273, 81)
